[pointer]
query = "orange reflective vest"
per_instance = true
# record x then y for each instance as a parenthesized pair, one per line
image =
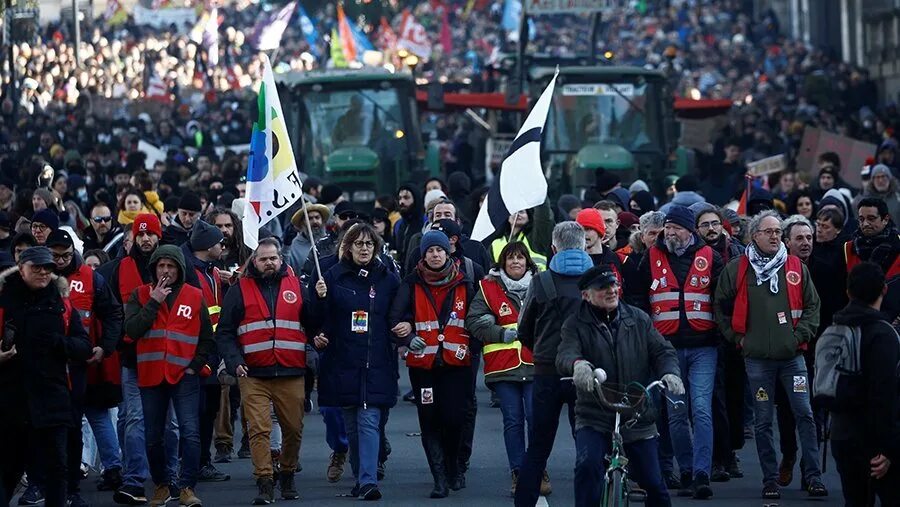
(503, 357)
(793, 273)
(168, 348)
(852, 260)
(267, 340)
(667, 298)
(212, 294)
(81, 295)
(450, 337)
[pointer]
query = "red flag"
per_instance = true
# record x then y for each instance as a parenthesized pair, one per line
(387, 39)
(742, 204)
(446, 37)
(347, 41)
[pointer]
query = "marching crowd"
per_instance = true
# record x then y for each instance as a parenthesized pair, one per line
(148, 330)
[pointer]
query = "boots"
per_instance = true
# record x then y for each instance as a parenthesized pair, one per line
(435, 454)
(286, 483)
(266, 494)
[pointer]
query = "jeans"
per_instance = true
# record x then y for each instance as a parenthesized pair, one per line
(698, 369)
(858, 487)
(515, 405)
(185, 397)
(791, 373)
(210, 398)
(107, 442)
(335, 432)
(664, 450)
(88, 444)
(550, 394)
(130, 427)
(592, 448)
(364, 438)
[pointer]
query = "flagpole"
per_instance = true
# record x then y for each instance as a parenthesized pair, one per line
(312, 240)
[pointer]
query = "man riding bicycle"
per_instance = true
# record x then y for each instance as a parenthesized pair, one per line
(606, 333)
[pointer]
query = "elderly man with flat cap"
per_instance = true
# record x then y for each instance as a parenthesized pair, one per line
(40, 335)
(607, 333)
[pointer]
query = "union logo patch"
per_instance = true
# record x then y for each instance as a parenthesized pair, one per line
(700, 264)
(289, 296)
(793, 277)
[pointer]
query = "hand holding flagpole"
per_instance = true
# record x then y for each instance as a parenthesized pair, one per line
(312, 239)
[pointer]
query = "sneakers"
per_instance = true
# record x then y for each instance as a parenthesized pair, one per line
(515, 483)
(336, 467)
(209, 473)
(130, 495)
(369, 492)
(701, 488)
(734, 467)
(161, 495)
(286, 483)
(75, 500)
(816, 488)
(719, 474)
(223, 455)
(266, 494)
(409, 397)
(110, 480)
(32, 496)
(546, 488)
(786, 471)
(770, 491)
(687, 482)
(671, 479)
(187, 498)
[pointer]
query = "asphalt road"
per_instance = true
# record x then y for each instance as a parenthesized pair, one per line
(408, 480)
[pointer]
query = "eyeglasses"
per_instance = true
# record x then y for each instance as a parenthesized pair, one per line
(364, 244)
(39, 227)
(41, 269)
(62, 257)
(707, 225)
(770, 232)
(102, 219)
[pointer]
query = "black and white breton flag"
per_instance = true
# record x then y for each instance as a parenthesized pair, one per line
(521, 183)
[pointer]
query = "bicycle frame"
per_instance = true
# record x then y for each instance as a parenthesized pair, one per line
(617, 462)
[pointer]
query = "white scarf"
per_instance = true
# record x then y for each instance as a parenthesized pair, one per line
(517, 287)
(766, 268)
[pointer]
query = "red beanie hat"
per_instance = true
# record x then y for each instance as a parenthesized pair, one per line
(591, 218)
(146, 222)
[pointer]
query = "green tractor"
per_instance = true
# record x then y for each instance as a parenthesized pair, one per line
(356, 128)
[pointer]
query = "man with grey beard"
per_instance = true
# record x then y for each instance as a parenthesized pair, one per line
(678, 274)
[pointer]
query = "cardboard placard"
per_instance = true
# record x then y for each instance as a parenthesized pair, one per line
(852, 152)
(767, 165)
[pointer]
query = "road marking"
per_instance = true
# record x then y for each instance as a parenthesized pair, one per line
(542, 502)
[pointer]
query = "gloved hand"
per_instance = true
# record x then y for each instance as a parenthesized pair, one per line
(510, 335)
(673, 384)
(417, 344)
(583, 377)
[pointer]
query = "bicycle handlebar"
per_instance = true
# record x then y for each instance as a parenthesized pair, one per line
(600, 378)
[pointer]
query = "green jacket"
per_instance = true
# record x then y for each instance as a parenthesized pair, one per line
(766, 338)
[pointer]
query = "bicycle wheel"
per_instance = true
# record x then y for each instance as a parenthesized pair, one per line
(615, 494)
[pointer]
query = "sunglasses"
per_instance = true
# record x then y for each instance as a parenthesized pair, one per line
(102, 219)
(348, 215)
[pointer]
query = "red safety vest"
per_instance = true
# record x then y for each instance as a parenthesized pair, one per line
(267, 340)
(666, 297)
(168, 348)
(212, 295)
(852, 260)
(129, 279)
(502, 357)
(451, 337)
(81, 295)
(793, 273)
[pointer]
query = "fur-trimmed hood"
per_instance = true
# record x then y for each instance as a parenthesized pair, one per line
(60, 282)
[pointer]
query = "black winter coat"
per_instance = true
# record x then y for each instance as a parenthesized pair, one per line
(542, 318)
(34, 384)
(110, 272)
(681, 266)
(357, 368)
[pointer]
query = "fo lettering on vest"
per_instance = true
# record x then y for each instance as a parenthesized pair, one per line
(169, 347)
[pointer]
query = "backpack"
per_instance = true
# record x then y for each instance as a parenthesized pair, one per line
(838, 369)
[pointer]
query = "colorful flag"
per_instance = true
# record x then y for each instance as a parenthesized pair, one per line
(269, 30)
(348, 42)
(308, 26)
(273, 183)
(446, 36)
(115, 14)
(387, 39)
(337, 51)
(362, 42)
(413, 37)
(206, 33)
(158, 90)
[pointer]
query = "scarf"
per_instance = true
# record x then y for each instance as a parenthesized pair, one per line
(440, 277)
(766, 268)
(880, 249)
(127, 217)
(517, 287)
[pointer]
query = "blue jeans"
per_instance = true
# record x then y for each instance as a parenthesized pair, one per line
(549, 396)
(666, 453)
(364, 439)
(185, 397)
(592, 448)
(515, 405)
(105, 436)
(762, 375)
(335, 432)
(698, 371)
(130, 426)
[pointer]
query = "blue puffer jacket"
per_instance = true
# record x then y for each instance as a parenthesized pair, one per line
(358, 368)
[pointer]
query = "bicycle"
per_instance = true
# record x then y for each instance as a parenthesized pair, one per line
(633, 396)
